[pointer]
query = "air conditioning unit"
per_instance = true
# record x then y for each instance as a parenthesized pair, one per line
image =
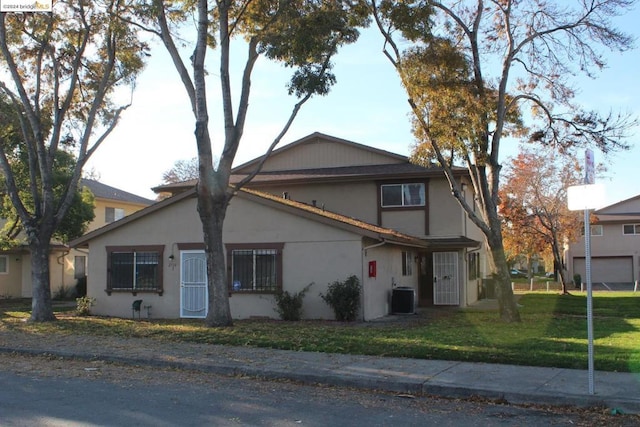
(403, 300)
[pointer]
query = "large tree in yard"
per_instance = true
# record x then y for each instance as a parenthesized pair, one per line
(533, 204)
(302, 35)
(472, 67)
(60, 73)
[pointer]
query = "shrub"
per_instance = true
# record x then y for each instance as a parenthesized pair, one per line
(63, 293)
(84, 305)
(344, 298)
(577, 280)
(289, 306)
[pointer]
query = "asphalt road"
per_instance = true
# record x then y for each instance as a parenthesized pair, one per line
(40, 391)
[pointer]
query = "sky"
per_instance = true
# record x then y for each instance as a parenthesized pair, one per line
(367, 106)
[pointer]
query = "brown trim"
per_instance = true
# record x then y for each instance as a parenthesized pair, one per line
(424, 208)
(234, 246)
(278, 246)
(135, 248)
(190, 246)
(159, 288)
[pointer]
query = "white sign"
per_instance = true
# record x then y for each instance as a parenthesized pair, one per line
(582, 197)
(26, 5)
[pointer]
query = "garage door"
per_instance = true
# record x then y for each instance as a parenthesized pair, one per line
(606, 269)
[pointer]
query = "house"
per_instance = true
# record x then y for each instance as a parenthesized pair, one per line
(321, 209)
(66, 265)
(615, 245)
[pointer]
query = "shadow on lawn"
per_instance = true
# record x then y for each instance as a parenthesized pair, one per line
(616, 338)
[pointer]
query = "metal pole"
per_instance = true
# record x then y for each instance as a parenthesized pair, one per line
(587, 253)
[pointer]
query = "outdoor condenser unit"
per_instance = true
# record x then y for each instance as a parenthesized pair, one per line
(403, 300)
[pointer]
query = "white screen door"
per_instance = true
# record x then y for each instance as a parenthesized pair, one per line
(446, 290)
(193, 284)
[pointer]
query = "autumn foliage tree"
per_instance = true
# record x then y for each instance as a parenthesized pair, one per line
(471, 67)
(60, 74)
(533, 205)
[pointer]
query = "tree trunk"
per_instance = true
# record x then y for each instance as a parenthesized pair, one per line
(507, 306)
(212, 207)
(562, 272)
(41, 308)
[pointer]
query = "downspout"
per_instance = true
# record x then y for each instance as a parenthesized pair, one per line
(365, 272)
(466, 260)
(62, 257)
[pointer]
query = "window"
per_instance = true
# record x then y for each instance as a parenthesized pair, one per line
(474, 265)
(629, 229)
(596, 230)
(401, 195)
(113, 214)
(134, 269)
(255, 268)
(79, 267)
(4, 264)
(407, 258)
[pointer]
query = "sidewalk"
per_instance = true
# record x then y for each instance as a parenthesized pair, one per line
(513, 384)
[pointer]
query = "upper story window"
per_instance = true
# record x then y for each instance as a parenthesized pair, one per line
(630, 229)
(596, 230)
(401, 195)
(113, 214)
(255, 268)
(134, 269)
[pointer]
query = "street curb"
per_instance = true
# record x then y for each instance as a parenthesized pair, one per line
(333, 377)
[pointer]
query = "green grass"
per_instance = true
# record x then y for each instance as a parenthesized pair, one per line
(553, 332)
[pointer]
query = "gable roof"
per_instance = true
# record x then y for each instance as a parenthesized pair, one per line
(397, 167)
(624, 210)
(297, 208)
(346, 173)
(315, 136)
(103, 191)
(619, 204)
(366, 172)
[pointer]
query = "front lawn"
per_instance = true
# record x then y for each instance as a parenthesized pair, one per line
(553, 332)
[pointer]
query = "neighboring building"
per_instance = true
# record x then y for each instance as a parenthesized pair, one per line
(615, 245)
(322, 209)
(66, 265)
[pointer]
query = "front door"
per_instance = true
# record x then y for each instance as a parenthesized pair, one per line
(193, 284)
(446, 289)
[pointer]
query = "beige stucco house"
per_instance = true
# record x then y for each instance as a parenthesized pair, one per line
(66, 264)
(615, 245)
(321, 209)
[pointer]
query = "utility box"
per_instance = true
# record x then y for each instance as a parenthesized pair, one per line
(403, 300)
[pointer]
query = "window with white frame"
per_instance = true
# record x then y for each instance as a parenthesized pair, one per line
(134, 269)
(596, 230)
(255, 268)
(402, 195)
(113, 214)
(407, 263)
(631, 229)
(4, 264)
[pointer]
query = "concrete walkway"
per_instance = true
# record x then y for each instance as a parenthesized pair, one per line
(512, 384)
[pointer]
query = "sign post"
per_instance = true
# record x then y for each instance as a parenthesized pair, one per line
(588, 196)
